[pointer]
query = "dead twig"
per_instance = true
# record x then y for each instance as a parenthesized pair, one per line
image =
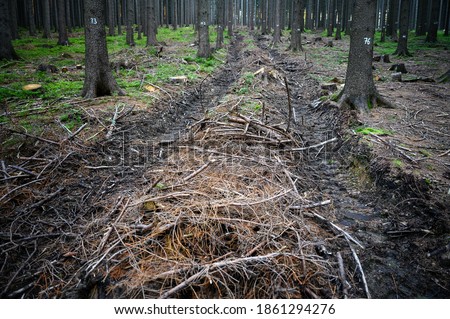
(358, 263)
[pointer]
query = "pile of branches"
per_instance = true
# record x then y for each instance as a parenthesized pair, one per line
(224, 217)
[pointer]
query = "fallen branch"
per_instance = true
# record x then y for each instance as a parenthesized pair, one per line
(33, 136)
(358, 263)
(324, 203)
(346, 235)
(334, 139)
(202, 168)
(113, 123)
(342, 276)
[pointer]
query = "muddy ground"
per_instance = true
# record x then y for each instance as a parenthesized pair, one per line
(126, 216)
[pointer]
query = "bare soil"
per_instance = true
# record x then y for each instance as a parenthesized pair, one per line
(207, 194)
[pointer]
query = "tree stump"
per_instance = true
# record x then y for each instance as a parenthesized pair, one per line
(400, 67)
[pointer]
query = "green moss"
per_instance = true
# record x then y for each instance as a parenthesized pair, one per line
(425, 153)
(371, 130)
(397, 163)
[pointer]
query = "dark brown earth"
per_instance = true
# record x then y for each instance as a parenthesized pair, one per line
(127, 216)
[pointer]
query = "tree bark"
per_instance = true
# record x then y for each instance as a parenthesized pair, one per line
(111, 17)
(339, 14)
(13, 19)
(263, 17)
(130, 18)
(251, 14)
(46, 19)
(230, 18)
(383, 21)
(6, 48)
(421, 18)
(220, 23)
(402, 45)
(203, 31)
(393, 20)
(359, 91)
(99, 80)
(277, 28)
(433, 21)
(63, 38)
(330, 28)
(151, 23)
(31, 21)
(296, 32)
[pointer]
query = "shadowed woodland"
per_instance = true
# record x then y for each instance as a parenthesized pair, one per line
(224, 149)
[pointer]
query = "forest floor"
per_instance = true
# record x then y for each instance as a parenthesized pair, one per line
(201, 189)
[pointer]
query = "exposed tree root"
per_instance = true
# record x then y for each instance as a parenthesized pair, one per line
(364, 102)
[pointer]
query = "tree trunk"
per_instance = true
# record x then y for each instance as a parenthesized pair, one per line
(296, 34)
(339, 13)
(174, 14)
(402, 45)
(111, 18)
(63, 38)
(359, 91)
(13, 19)
(330, 28)
(447, 19)
(421, 18)
(130, 16)
(230, 18)
(31, 21)
(433, 21)
(203, 30)
(383, 21)
(118, 9)
(151, 23)
(220, 23)
(393, 20)
(99, 80)
(46, 21)
(6, 48)
(251, 14)
(263, 17)
(277, 30)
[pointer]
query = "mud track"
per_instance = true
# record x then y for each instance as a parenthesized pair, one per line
(396, 262)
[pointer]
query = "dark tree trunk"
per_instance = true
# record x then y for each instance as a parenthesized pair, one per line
(13, 19)
(68, 17)
(230, 18)
(383, 21)
(151, 23)
(118, 9)
(111, 17)
(130, 16)
(46, 18)
(6, 48)
(63, 38)
(296, 34)
(302, 16)
(31, 21)
(263, 17)
(203, 29)
(359, 91)
(251, 14)
(99, 80)
(402, 45)
(339, 13)
(330, 27)
(433, 21)
(447, 19)
(220, 23)
(393, 20)
(174, 14)
(421, 18)
(277, 28)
